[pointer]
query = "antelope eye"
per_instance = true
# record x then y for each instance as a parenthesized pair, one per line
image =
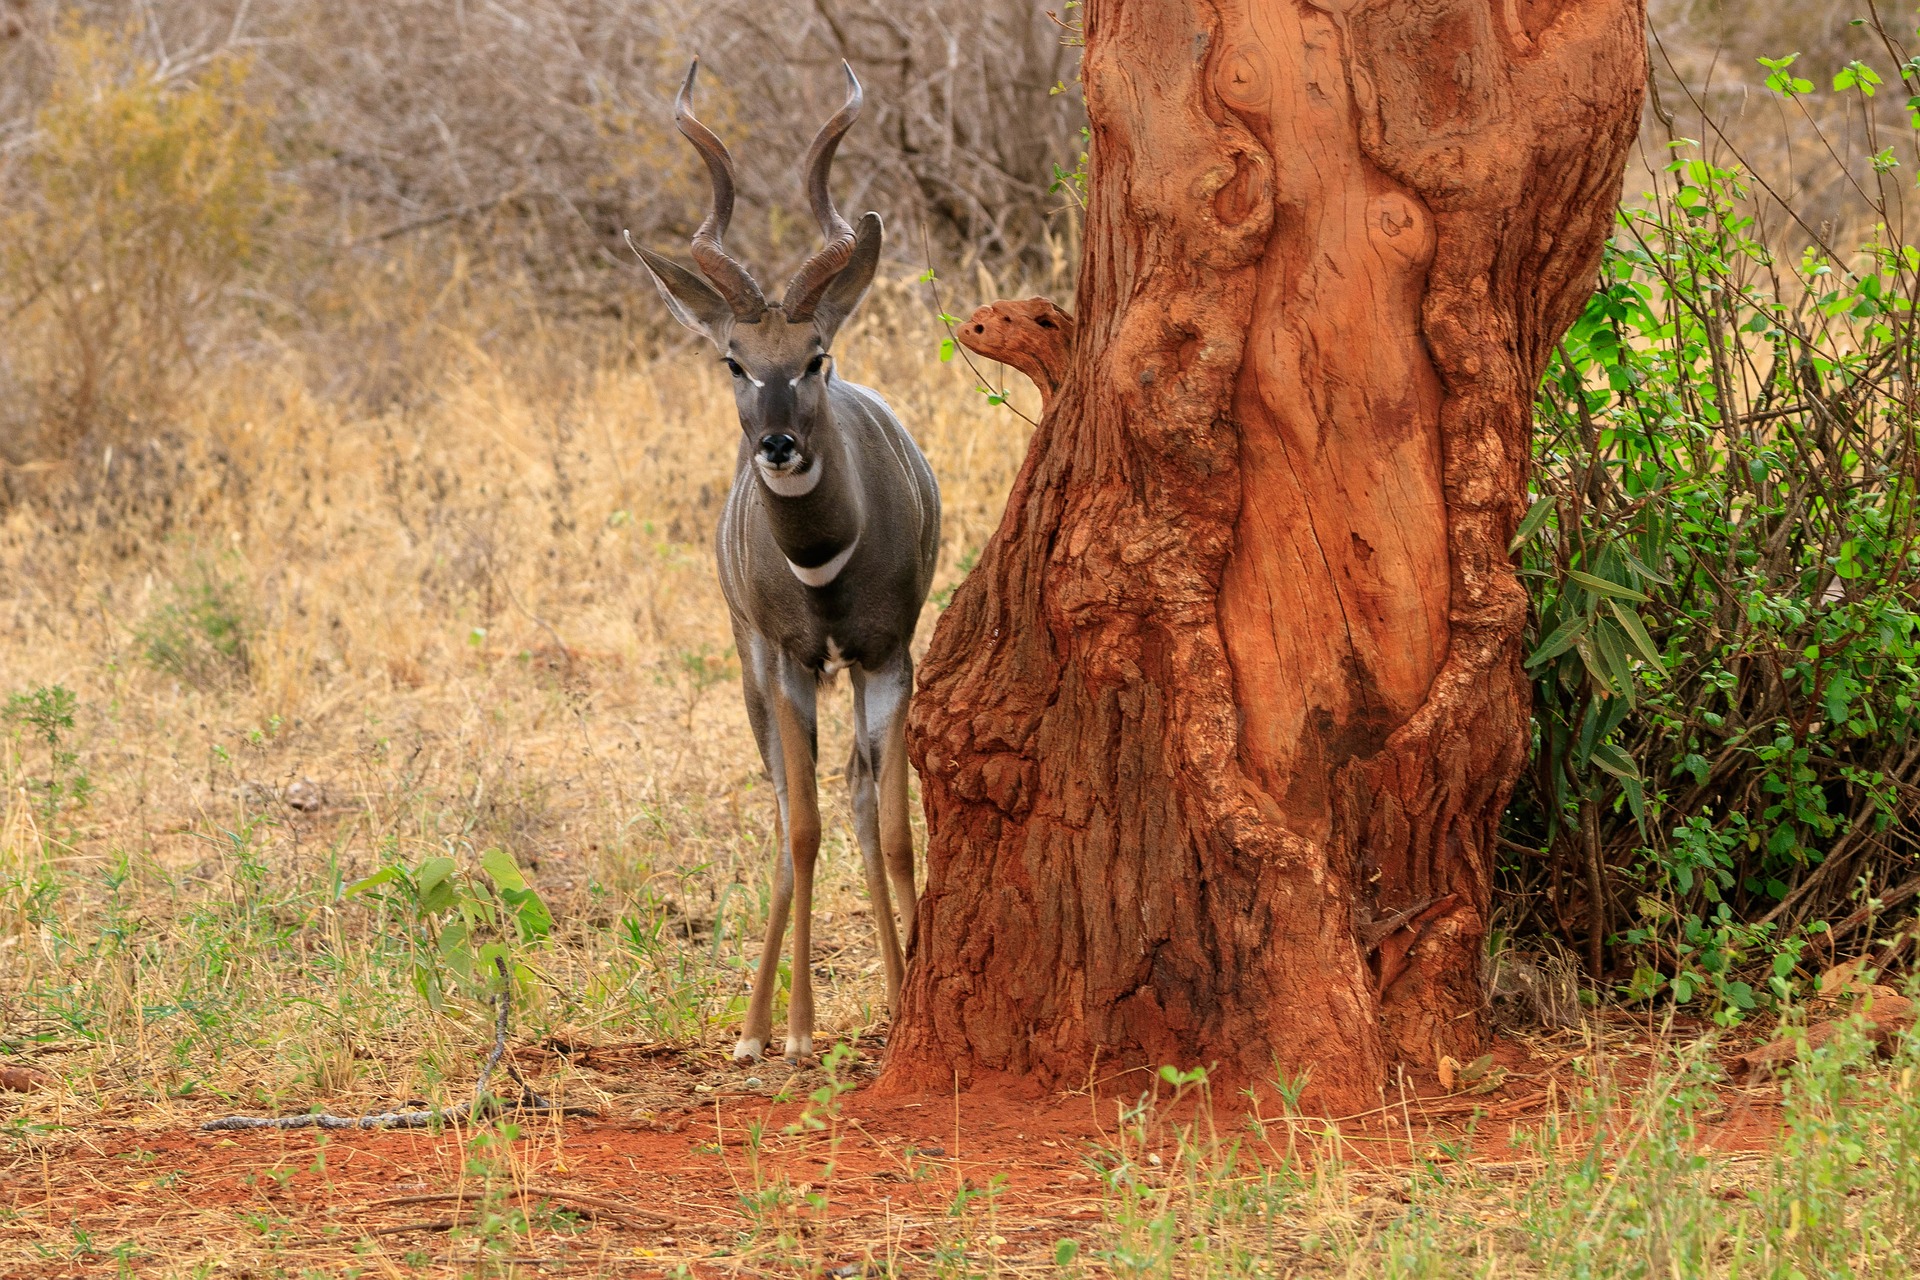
(817, 364)
(733, 367)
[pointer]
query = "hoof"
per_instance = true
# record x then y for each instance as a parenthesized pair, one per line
(799, 1047)
(747, 1049)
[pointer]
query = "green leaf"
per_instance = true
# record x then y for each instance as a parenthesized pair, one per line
(432, 872)
(1595, 663)
(946, 350)
(1646, 983)
(1637, 632)
(1636, 802)
(385, 875)
(455, 951)
(1609, 758)
(1559, 640)
(531, 918)
(1602, 587)
(502, 869)
(1857, 75)
(1640, 567)
(433, 881)
(1536, 516)
(1612, 645)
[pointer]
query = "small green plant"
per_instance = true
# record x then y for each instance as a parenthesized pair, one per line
(45, 712)
(200, 632)
(460, 928)
(823, 1104)
(699, 670)
(496, 1222)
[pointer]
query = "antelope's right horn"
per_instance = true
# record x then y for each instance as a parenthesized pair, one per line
(727, 275)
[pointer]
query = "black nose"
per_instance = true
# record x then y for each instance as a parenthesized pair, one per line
(777, 449)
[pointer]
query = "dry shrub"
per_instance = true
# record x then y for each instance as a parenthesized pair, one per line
(142, 201)
(534, 131)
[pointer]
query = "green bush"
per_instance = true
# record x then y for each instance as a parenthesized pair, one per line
(199, 633)
(1725, 644)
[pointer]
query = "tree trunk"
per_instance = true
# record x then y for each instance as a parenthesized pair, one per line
(1215, 740)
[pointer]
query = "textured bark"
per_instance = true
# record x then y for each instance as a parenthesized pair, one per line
(1215, 740)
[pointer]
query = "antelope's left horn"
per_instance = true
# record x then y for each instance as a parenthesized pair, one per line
(816, 273)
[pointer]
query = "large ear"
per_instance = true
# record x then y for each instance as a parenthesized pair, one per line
(693, 302)
(851, 284)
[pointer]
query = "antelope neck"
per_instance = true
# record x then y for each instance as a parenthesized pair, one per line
(817, 530)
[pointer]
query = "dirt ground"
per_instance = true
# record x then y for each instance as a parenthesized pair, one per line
(700, 1165)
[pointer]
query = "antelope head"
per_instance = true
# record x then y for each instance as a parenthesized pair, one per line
(778, 353)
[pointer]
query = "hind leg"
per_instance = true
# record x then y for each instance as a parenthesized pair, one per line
(883, 720)
(863, 780)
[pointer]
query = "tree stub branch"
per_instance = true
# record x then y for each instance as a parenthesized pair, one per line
(1032, 335)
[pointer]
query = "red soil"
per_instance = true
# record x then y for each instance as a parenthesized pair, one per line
(680, 1182)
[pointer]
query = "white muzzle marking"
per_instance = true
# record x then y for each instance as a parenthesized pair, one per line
(791, 484)
(821, 574)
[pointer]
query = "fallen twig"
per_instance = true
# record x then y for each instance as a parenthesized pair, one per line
(583, 1054)
(592, 1206)
(482, 1104)
(444, 1224)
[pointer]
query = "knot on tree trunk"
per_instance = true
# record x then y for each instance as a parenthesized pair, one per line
(1031, 335)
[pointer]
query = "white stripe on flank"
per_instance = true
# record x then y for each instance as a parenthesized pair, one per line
(791, 484)
(821, 575)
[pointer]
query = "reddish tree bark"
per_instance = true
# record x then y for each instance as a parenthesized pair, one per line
(1215, 740)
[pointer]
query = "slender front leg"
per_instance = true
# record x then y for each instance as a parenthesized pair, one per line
(760, 678)
(794, 720)
(883, 714)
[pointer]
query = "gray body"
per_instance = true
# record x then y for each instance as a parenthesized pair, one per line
(826, 550)
(877, 494)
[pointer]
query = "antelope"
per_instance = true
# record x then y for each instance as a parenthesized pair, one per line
(826, 550)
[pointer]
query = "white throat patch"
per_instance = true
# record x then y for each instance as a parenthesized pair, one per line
(821, 574)
(791, 484)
